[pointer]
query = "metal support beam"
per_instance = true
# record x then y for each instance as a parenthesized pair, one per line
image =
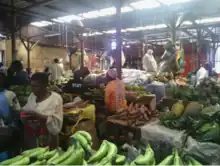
(25, 13)
(188, 33)
(118, 38)
(199, 38)
(13, 32)
(42, 3)
(82, 52)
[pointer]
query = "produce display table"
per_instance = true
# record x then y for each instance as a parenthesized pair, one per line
(120, 132)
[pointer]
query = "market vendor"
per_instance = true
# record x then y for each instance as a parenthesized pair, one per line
(8, 99)
(202, 73)
(80, 83)
(56, 70)
(44, 108)
(17, 75)
(149, 63)
(114, 92)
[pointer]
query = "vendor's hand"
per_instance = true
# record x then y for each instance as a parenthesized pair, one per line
(37, 115)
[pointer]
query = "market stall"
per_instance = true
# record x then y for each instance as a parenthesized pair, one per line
(80, 153)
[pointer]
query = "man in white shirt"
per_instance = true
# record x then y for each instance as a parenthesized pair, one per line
(149, 63)
(201, 74)
(56, 70)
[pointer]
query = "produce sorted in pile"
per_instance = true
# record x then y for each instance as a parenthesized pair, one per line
(105, 155)
(12, 160)
(147, 158)
(76, 158)
(193, 108)
(203, 125)
(82, 139)
(135, 115)
(167, 161)
(112, 152)
(178, 108)
(101, 153)
(192, 161)
(139, 91)
(209, 132)
(175, 159)
(206, 93)
(63, 156)
(119, 160)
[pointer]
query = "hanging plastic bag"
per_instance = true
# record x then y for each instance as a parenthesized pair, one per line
(67, 58)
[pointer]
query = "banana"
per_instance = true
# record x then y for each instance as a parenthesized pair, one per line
(112, 152)
(82, 140)
(86, 135)
(103, 150)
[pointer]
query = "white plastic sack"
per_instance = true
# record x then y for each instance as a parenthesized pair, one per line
(208, 152)
(67, 59)
(158, 133)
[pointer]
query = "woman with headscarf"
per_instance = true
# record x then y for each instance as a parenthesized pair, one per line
(45, 109)
(149, 63)
(114, 92)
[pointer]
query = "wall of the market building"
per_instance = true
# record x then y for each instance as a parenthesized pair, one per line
(40, 56)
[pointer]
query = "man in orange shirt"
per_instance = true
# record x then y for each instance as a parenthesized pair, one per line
(114, 92)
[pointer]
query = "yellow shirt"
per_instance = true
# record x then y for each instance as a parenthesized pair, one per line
(114, 97)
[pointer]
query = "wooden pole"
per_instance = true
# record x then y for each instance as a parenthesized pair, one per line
(118, 38)
(13, 32)
(82, 52)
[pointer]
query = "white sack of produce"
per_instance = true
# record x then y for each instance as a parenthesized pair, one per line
(154, 132)
(134, 77)
(207, 151)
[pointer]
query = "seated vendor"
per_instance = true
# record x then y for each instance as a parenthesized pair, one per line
(78, 85)
(114, 87)
(47, 109)
(17, 75)
(8, 99)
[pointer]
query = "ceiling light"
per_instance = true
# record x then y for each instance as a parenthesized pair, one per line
(89, 15)
(52, 35)
(126, 9)
(41, 23)
(107, 11)
(113, 45)
(208, 20)
(187, 23)
(67, 19)
(171, 2)
(110, 31)
(95, 33)
(145, 4)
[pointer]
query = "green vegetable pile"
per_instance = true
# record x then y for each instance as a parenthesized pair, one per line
(175, 159)
(80, 153)
(204, 126)
(206, 93)
(140, 91)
